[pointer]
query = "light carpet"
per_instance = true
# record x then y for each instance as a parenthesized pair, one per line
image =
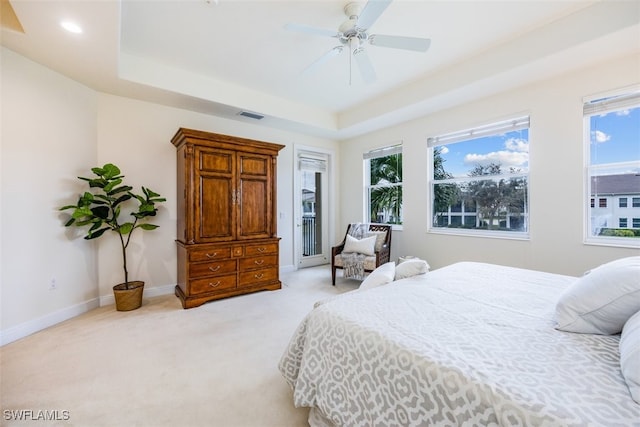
(160, 365)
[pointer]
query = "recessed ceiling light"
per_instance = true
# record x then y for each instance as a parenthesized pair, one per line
(72, 27)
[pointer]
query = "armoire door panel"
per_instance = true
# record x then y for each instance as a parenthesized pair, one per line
(254, 209)
(215, 221)
(216, 161)
(254, 165)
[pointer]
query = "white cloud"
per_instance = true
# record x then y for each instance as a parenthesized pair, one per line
(506, 159)
(599, 137)
(444, 149)
(623, 112)
(516, 144)
(516, 155)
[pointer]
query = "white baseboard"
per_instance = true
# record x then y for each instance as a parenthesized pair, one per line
(32, 326)
(287, 268)
(148, 292)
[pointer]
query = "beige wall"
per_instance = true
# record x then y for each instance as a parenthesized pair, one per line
(556, 150)
(54, 129)
(48, 137)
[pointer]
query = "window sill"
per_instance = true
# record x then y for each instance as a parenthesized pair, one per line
(624, 242)
(488, 234)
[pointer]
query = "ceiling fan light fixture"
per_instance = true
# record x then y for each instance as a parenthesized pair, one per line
(353, 34)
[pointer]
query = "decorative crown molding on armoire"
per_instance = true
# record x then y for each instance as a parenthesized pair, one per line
(226, 217)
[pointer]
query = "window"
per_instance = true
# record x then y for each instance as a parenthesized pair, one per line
(480, 180)
(612, 144)
(383, 182)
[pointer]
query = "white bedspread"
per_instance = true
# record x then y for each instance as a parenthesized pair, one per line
(471, 345)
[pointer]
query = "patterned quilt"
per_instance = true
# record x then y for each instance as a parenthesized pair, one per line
(467, 345)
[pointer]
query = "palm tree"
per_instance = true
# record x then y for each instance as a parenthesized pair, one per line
(386, 189)
(444, 195)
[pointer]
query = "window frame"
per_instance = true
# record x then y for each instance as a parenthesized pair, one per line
(384, 151)
(604, 103)
(489, 128)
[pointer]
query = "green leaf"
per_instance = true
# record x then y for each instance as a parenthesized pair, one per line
(126, 228)
(111, 185)
(95, 234)
(148, 226)
(150, 193)
(82, 212)
(101, 211)
(70, 222)
(110, 170)
(121, 199)
(120, 189)
(97, 183)
(95, 226)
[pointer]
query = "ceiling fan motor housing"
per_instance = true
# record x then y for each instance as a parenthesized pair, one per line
(350, 34)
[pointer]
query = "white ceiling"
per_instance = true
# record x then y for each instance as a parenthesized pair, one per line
(233, 55)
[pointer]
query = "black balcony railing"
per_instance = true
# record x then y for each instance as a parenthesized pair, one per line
(309, 241)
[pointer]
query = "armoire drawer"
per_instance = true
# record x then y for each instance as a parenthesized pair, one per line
(209, 254)
(258, 262)
(212, 284)
(253, 277)
(265, 249)
(205, 269)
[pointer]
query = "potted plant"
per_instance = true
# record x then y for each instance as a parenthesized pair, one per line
(100, 210)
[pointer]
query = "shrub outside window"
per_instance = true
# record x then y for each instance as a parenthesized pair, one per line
(480, 180)
(383, 185)
(612, 152)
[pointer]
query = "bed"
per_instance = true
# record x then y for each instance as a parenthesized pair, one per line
(470, 344)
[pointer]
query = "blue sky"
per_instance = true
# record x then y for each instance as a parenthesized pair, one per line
(509, 150)
(615, 137)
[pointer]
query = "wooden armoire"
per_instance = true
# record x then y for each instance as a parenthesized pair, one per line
(226, 217)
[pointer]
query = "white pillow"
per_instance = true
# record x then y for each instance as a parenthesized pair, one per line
(363, 246)
(380, 276)
(380, 238)
(630, 355)
(411, 267)
(601, 301)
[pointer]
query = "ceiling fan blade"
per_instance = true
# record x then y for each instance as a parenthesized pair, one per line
(324, 58)
(399, 42)
(371, 12)
(301, 28)
(365, 66)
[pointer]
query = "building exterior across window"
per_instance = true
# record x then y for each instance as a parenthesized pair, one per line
(614, 212)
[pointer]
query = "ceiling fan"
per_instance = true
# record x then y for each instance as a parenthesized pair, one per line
(353, 34)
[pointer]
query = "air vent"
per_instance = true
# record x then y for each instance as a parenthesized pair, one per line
(254, 116)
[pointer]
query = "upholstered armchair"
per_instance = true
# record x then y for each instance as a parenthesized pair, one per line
(371, 258)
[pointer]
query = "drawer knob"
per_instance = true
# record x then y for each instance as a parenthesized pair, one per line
(214, 285)
(261, 249)
(212, 255)
(258, 276)
(258, 262)
(215, 269)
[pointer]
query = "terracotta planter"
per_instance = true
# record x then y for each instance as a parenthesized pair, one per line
(128, 299)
